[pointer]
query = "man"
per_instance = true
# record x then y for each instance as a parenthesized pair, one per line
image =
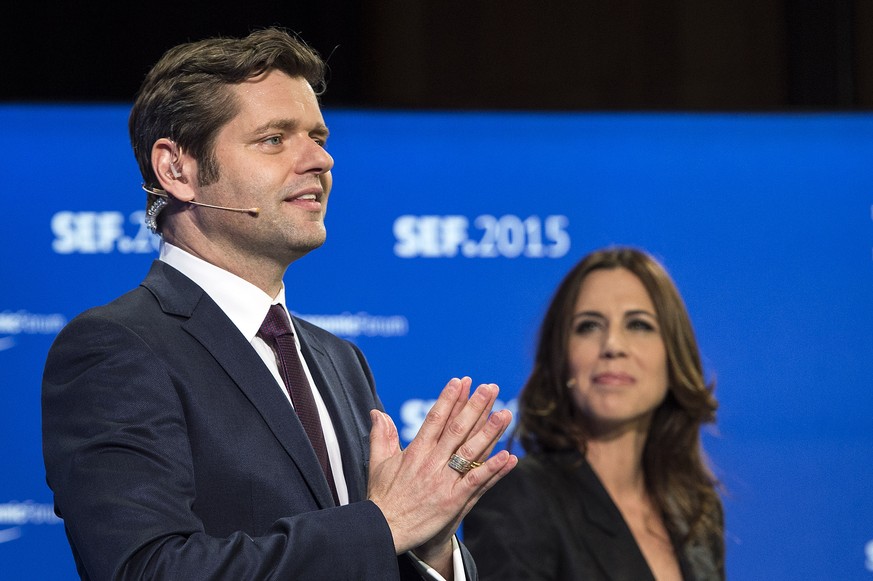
(184, 435)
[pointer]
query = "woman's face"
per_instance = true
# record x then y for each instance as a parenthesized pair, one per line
(617, 358)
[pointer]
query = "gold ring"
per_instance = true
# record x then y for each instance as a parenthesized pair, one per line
(462, 465)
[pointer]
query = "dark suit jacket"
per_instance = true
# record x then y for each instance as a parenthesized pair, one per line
(172, 454)
(551, 519)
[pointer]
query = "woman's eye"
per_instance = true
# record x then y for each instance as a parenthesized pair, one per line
(584, 327)
(640, 325)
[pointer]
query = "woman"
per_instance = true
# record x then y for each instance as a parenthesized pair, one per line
(613, 485)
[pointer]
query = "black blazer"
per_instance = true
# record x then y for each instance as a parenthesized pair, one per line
(552, 519)
(172, 454)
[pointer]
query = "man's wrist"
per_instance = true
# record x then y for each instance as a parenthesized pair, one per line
(444, 564)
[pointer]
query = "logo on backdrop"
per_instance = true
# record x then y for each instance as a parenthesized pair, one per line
(413, 412)
(15, 515)
(102, 233)
(358, 324)
(484, 236)
(23, 322)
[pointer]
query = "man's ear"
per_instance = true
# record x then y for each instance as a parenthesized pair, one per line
(173, 169)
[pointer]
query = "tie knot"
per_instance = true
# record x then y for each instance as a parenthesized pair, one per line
(275, 323)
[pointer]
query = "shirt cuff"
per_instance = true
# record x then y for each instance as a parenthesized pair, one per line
(429, 573)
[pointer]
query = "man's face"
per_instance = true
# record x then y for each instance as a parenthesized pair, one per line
(270, 156)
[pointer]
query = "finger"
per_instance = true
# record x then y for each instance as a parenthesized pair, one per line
(384, 441)
(479, 480)
(459, 428)
(481, 422)
(470, 492)
(393, 433)
(482, 442)
(466, 382)
(438, 416)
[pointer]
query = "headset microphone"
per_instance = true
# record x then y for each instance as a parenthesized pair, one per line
(251, 211)
(163, 194)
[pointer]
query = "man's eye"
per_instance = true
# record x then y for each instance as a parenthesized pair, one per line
(273, 140)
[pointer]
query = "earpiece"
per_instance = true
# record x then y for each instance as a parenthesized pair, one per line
(176, 173)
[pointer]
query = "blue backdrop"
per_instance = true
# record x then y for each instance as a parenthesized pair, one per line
(447, 234)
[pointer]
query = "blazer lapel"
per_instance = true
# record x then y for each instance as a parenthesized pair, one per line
(208, 324)
(347, 424)
(612, 543)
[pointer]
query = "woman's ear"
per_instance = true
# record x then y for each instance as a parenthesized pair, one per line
(173, 169)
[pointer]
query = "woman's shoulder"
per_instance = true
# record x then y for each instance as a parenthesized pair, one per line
(538, 469)
(554, 462)
(535, 491)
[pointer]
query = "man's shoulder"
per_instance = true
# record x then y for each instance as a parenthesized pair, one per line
(159, 294)
(133, 303)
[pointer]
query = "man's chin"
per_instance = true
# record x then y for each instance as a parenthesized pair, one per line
(305, 246)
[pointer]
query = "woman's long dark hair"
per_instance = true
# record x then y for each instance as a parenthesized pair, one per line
(677, 478)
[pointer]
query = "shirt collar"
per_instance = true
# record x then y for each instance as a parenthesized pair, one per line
(245, 304)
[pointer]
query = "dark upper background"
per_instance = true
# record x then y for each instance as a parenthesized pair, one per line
(722, 55)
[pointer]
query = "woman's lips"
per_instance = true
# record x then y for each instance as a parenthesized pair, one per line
(612, 378)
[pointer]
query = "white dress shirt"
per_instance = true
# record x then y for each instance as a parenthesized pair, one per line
(246, 306)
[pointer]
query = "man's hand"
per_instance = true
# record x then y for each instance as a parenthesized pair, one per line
(422, 498)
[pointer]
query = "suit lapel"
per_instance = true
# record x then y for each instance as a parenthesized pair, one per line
(612, 544)
(207, 323)
(347, 424)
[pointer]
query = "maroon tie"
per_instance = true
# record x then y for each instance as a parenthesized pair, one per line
(276, 331)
